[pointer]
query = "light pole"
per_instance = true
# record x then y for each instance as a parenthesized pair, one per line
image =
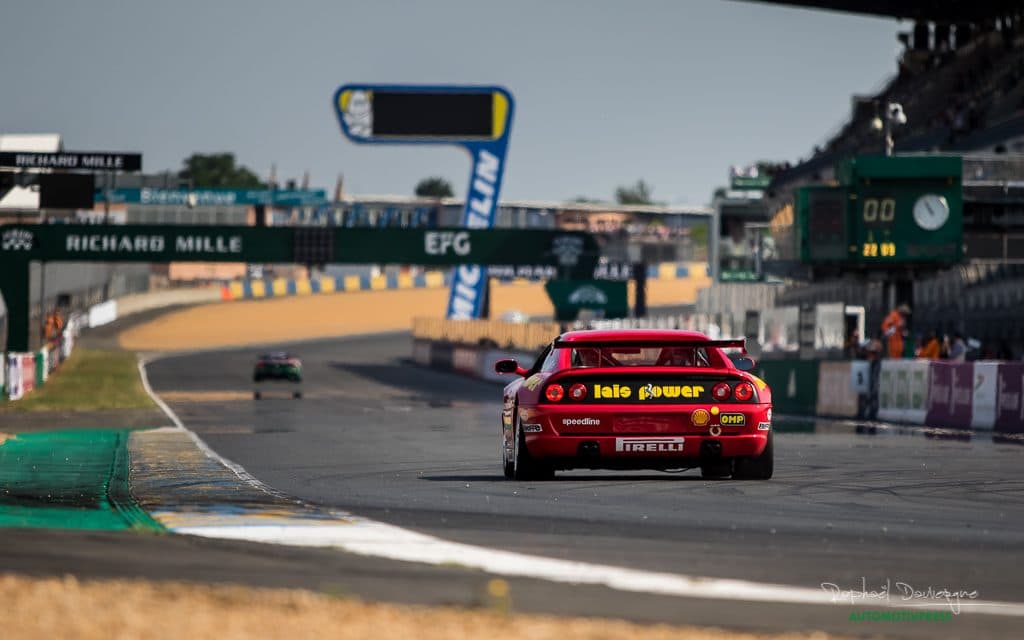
(893, 116)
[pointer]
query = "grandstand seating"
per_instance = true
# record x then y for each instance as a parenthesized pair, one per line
(965, 99)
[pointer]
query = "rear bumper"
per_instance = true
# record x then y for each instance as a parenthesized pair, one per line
(657, 452)
(625, 438)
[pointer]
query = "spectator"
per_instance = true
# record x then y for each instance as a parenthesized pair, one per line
(894, 327)
(873, 352)
(931, 349)
(958, 348)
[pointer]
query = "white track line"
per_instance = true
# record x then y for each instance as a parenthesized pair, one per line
(237, 469)
(370, 538)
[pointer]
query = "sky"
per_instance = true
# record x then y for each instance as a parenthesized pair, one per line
(671, 92)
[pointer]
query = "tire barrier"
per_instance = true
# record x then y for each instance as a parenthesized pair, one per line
(441, 356)
(466, 360)
(477, 362)
(421, 352)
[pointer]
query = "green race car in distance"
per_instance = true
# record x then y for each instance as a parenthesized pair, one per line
(277, 366)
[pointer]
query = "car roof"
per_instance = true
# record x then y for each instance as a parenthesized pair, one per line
(632, 335)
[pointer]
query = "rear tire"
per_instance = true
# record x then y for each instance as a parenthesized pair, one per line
(256, 395)
(525, 466)
(297, 395)
(717, 469)
(760, 468)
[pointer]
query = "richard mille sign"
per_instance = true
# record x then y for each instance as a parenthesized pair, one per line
(151, 243)
(72, 160)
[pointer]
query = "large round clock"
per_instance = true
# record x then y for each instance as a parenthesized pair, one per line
(931, 211)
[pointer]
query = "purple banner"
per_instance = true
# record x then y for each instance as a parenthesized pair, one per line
(1009, 405)
(950, 395)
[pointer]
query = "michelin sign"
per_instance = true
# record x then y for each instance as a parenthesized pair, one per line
(476, 118)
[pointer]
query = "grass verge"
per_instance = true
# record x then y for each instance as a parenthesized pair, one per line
(90, 380)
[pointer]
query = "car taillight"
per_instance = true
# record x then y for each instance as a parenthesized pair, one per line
(554, 392)
(721, 391)
(578, 391)
(744, 391)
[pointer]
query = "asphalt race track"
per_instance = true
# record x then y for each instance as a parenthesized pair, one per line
(382, 438)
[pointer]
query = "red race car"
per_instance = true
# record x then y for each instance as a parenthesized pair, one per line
(636, 399)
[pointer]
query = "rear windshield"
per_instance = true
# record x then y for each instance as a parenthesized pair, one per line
(629, 356)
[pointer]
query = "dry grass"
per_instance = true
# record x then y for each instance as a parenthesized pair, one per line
(68, 608)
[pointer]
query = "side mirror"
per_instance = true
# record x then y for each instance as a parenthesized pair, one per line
(508, 365)
(743, 364)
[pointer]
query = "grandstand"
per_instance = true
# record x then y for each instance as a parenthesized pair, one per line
(960, 81)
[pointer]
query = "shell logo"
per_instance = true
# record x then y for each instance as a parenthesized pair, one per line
(700, 417)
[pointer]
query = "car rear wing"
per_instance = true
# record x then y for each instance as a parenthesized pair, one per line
(738, 343)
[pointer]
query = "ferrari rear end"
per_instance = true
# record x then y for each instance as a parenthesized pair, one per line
(643, 419)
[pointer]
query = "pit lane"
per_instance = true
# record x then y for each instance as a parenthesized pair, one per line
(385, 439)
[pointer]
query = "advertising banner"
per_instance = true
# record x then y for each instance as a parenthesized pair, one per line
(21, 374)
(102, 313)
(918, 375)
(204, 197)
(42, 366)
(983, 403)
(28, 372)
(607, 298)
(903, 391)
(1009, 405)
(474, 117)
(72, 160)
(15, 390)
(950, 394)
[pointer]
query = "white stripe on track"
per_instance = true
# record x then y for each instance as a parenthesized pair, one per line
(376, 539)
(237, 469)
